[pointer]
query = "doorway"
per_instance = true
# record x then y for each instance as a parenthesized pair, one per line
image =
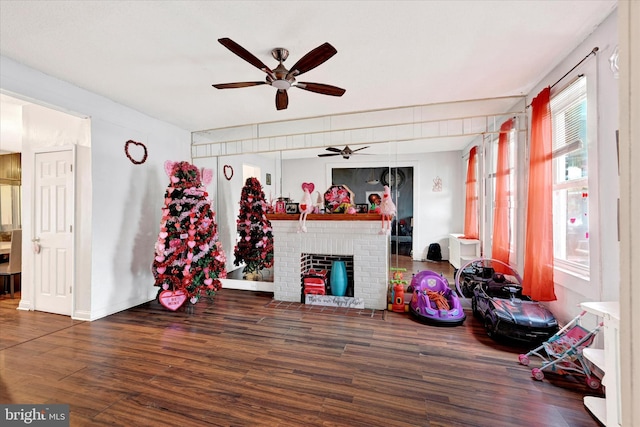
(56, 147)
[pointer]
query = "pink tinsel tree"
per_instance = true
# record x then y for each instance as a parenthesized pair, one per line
(189, 256)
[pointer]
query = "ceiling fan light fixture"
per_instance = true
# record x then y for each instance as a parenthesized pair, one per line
(372, 179)
(281, 84)
(281, 78)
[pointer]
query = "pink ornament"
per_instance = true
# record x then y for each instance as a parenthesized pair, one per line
(160, 258)
(161, 269)
(191, 244)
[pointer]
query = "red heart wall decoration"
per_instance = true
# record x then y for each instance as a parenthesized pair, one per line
(135, 144)
(308, 186)
(172, 300)
(228, 172)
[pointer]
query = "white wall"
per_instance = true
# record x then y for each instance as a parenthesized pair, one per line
(10, 131)
(120, 209)
(605, 275)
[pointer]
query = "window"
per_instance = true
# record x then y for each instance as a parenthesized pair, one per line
(570, 177)
(492, 157)
(512, 193)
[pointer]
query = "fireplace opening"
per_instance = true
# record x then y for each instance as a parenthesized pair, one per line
(319, 262)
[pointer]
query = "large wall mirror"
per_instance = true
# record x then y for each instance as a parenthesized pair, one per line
(419, 149)
(426, 188)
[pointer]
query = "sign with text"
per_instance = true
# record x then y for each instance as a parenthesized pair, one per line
(34, 415)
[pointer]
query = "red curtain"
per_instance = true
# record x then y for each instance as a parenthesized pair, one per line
(471, 205)
(538, 255)
(500, 246)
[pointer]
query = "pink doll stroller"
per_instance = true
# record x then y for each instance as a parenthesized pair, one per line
(562, 353)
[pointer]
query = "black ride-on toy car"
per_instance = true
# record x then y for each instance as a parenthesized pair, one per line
(497, 300)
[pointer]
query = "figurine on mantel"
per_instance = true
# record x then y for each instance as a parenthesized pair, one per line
(387, 209)
(319, 204)
(306, 206)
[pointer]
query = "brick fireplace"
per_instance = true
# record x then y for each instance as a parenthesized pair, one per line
(332, 235)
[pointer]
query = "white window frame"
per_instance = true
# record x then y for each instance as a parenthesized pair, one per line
(491, 164)
(570, 274)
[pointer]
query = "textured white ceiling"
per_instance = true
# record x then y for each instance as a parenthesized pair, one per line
(161, 57)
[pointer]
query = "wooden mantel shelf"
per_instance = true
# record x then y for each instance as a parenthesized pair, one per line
(326, 217)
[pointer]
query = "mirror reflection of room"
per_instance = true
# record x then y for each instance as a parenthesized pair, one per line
(368, 190)
(425, 169)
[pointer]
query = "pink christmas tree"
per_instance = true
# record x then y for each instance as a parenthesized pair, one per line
(189, 259)
(255, 246)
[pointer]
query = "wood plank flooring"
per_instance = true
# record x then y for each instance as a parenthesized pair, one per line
(238, 361)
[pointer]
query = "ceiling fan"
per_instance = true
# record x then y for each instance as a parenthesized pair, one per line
(345, 152)
(281, 78)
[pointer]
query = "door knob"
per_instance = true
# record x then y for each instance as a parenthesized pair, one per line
(36, 245)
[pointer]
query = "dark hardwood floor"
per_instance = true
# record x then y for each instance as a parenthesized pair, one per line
(242, 361)
(413, 267)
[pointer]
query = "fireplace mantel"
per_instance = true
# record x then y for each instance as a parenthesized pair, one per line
(326, 217)
(332, 234)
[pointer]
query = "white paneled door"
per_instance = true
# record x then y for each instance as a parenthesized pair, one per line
(53, 231)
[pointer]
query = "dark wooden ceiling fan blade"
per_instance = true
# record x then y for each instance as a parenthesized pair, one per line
(334, 149)
(245, 54)
(282, 99)
(321, 88)
(237, 85)
(358, 149)
(328, 154)
(312, 59)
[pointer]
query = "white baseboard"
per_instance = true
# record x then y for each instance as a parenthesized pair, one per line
(247, 285)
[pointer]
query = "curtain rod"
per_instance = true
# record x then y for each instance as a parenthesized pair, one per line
(593, 52)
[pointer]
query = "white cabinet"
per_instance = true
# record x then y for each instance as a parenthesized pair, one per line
(462, 250)
(606, 409)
